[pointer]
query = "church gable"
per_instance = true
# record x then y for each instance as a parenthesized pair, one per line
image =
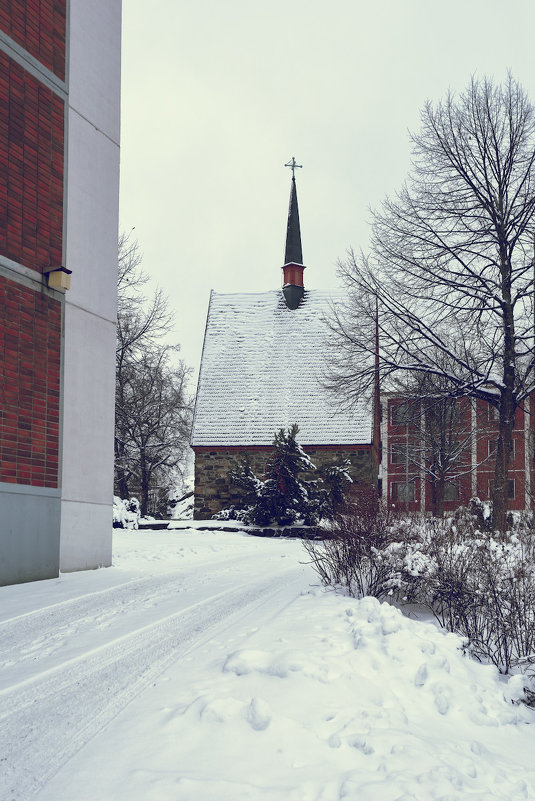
(261, 370)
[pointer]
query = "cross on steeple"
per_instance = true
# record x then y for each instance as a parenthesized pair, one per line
(293, 166)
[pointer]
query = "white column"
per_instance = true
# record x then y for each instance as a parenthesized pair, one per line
(92, 207)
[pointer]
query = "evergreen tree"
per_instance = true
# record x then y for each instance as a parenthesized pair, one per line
(285, 495)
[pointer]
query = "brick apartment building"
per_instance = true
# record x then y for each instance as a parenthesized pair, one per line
(59, 177)
(406, 457)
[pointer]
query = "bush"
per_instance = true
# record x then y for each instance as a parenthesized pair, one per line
(476, 583)
(335, 482)
(483, 587)
(365, 549)
(126, 513)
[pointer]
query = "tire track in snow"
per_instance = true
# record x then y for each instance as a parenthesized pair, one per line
(79, 697)
(41, 632)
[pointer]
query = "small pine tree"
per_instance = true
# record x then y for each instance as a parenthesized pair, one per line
(285, 496)
(250, 489)
(286, 491)
(245, 480)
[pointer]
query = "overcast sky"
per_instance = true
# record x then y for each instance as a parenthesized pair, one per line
(217, 96)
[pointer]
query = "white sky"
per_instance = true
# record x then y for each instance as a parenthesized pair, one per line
(217, 96)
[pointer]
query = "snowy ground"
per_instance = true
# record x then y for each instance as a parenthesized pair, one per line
(205, 667)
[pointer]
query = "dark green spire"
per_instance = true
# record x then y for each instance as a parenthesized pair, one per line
(293, 253)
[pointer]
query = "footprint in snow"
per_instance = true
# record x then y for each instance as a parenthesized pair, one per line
(334, 741)
(421, 676)
(478, 749)
(442, 703)
(428, 647)
(359, 742)
(258, 714)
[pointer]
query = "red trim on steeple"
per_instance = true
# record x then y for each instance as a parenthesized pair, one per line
(293, 274)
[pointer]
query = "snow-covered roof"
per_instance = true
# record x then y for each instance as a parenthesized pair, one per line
(260, 371)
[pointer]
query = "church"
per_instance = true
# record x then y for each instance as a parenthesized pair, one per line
(263, 361)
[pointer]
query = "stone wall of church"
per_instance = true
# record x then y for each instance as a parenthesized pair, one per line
(213, 491)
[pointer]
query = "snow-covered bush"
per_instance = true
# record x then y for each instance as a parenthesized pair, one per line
(482, 586)
(334, 484)
(284, 496)
(180, 506)
(364, 550)
(126, 513)
(477, 583)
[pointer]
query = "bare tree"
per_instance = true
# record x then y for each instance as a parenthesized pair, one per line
(451, 264)
(141, 321)
(154, 418)
(447, 437)
(152, 409)
(440, 435)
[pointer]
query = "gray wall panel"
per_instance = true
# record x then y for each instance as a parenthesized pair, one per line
(29, 536)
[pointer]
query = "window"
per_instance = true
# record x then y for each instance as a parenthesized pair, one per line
(401, 414)
(399, 453)
(451, 491)
(510, 488)
(493, 412)
(493, 444)
(403, 492)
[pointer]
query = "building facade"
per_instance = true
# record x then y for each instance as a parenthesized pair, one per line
(59, 179)
(465, 445)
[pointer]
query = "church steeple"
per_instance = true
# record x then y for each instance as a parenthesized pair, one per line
(293, 285)
(293, 252)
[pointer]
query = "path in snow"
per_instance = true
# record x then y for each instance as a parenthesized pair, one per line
(203, 667)
(49, 633)
(68, 669)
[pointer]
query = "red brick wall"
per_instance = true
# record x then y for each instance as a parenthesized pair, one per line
(487, 433)
(517, 467)
(30, 342)
(397, 473)
(31, 169)
(39, 27)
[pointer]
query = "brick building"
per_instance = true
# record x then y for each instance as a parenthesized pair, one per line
(406, 455)
(261, 370)
(59, 174)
